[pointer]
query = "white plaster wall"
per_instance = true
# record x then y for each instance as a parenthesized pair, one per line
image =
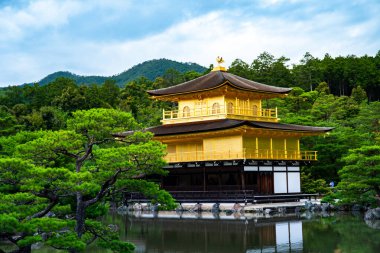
(294, 182)
(279, 182)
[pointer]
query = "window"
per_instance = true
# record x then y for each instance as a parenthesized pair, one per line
(186, 112)
(215, 108)
(200, 108)
(230, 108)
(254, 110)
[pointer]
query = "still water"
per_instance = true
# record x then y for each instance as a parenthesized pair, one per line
(170, 232)
(201, 233)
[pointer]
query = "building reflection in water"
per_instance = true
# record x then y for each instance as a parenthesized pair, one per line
(192, 233)
(287, 238)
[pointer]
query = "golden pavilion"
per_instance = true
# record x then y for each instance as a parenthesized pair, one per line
(220, 138)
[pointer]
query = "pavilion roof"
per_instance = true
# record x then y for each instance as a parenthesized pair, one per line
(216, 79)
(214, 125)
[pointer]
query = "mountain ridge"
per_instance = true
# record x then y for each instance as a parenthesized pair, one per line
(150, 69)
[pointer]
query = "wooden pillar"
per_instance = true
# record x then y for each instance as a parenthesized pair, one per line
(248, 109)
(162, 182)
(259, 181)
(219, 180)
(287, 182)
(285, 151)
(298, 149)
(257, 147)
(271, 148)
(242, 179)
(237, 105)
(204, 179)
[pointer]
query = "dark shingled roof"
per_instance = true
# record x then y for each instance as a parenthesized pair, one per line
(215, 79)
(204, 126)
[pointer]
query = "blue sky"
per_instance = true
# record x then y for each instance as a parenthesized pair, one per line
(106, 37)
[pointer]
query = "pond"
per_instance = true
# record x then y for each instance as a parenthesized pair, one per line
(205, 232)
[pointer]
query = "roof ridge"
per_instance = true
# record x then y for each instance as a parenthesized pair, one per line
(214, 80)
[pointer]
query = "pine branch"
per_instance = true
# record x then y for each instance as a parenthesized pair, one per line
(45, 211)
(105, 188)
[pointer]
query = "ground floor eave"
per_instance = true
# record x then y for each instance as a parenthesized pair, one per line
(241, 130)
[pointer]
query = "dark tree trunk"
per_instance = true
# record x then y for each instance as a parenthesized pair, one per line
(377, 190)
(80, 215)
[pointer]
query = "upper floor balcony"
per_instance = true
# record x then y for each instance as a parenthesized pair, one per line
(218, 112)
(243, 154)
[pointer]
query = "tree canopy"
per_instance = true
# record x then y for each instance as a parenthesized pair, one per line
(54, 183)
(360, 177)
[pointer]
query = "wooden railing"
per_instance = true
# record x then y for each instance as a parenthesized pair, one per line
(203, 113)
(257, 154)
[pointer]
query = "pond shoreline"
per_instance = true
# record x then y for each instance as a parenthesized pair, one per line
(245, 210)
(278, 207)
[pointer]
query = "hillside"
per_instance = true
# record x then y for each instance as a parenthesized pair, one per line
(80, 80)
(149, 69)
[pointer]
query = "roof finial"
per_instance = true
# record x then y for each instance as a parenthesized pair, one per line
(219, 60)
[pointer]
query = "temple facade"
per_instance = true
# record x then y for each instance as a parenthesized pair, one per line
(221, 138)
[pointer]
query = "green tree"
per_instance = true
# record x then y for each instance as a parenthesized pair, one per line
(344, 108)
(307, 74)
(110, 92)
(359, 94)
(70, 173)
(311, 185)
(135, 99)
(69, 100)
(134, 95)
(47, 117)
(280, 74)
(360, 177)
(172, 77)
(298, 100)
(8, 144)
(323, 107)
(8, 122)
(190, 75)
(240, 68)
(261, 67)
(92, 97)
(323, 88)
(367, 120)
(39, 96)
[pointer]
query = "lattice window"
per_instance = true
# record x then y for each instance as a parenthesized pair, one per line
(215, 108)
(254, 110)
(186, 112)
(230, 108)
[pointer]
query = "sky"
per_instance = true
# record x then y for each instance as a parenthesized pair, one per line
(107, 37)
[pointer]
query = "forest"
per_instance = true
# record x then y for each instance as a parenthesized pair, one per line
(57, 154)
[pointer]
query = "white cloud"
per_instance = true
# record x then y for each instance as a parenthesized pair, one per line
(15, 23)
(220, 33)
(231, 34)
